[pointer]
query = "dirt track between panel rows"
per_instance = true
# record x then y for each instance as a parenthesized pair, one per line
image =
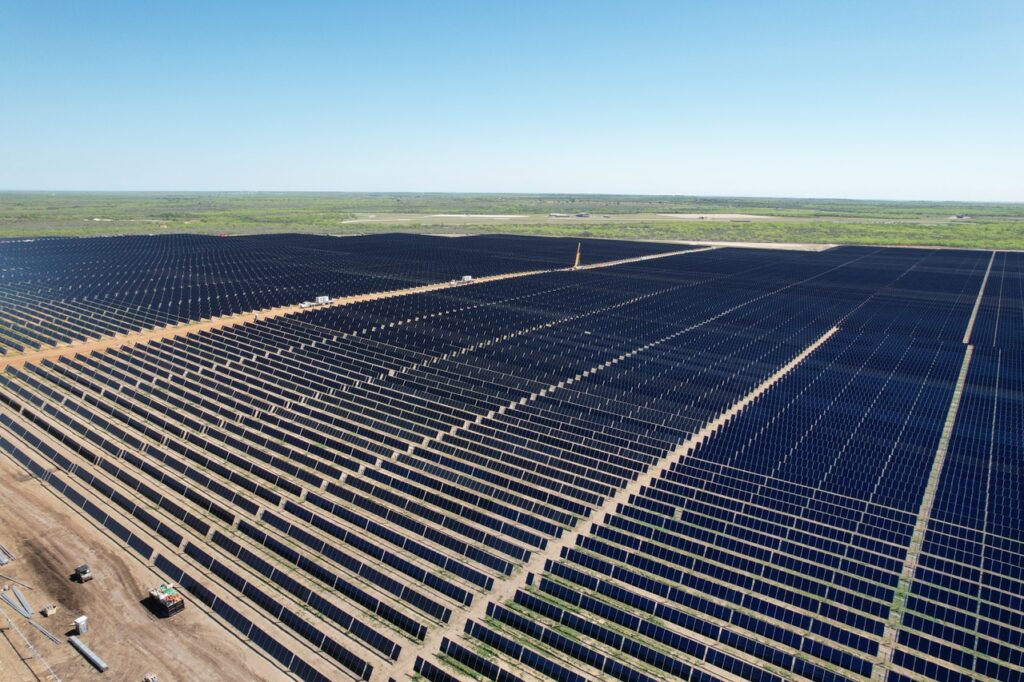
(172, 331)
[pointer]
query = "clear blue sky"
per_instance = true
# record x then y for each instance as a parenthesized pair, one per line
(866, 99)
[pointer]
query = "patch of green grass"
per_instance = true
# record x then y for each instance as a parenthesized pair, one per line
(961, 235)
(33, 214)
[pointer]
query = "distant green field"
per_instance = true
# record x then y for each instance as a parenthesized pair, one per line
(1000, 226)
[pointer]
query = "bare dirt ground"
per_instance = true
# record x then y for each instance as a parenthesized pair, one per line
(781, 246)
(719, 216)
(12, 669)
(492, 216)
(50, 540)
(376, 220)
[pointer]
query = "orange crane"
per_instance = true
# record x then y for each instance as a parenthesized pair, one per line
(579, 246)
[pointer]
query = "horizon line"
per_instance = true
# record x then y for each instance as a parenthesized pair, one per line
(754, 197)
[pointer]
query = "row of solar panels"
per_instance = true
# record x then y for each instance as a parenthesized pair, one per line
(85, 375)
(64, 290)
(774, 548)
(90, 386)
(965, 611)
(159, 518)
(280, 652)
(116, 450)
(1000, 320)
(447, 495)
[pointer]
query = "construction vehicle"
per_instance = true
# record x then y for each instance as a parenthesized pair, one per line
(166, 600)
(83, 573)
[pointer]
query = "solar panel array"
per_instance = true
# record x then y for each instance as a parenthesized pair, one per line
(342, 486)
(63, 290)
(773, 549)
(965, 609)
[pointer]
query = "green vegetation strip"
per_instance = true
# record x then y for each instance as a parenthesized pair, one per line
(962, 225)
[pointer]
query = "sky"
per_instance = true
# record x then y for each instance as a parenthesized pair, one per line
(884, 99)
